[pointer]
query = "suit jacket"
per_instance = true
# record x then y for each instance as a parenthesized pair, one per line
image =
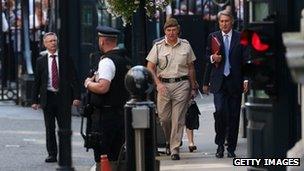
(214, 75)
(41, 80)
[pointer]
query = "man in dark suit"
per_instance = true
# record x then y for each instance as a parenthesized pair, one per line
(226, 82)
(46, 87)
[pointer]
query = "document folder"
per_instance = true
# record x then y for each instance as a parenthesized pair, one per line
(215, 46)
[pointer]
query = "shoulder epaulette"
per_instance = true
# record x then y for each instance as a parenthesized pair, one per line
(159, 42)
(185, 41)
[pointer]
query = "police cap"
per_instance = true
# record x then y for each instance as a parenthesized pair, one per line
(106, 31)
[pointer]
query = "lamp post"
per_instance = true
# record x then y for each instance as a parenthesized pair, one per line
(139, 47)
(64, 132)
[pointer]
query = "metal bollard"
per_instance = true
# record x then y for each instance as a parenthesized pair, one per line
(259, 130)
(140, 121)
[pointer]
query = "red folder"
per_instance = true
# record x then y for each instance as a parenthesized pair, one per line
(215, 46)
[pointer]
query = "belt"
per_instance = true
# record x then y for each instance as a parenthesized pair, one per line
(174, 80)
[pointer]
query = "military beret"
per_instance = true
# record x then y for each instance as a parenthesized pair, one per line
(171, 22)
(106, 31)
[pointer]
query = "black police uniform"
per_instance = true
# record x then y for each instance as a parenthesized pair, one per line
(108, 118)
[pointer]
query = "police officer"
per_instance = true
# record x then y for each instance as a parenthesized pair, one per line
(109, 94)
(171, 61)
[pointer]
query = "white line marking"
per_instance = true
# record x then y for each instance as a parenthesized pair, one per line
(12, 146)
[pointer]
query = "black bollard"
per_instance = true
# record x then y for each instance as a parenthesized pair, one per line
(259, 130)
(140, 121)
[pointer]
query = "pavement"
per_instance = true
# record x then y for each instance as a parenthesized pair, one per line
(204, 158)
(22, 143)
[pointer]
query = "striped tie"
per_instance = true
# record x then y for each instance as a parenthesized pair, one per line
(54, 72)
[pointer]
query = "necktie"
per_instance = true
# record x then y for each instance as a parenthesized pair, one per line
(227, 63)
(54, 72)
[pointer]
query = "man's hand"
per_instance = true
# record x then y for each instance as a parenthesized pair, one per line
(76, 103)
(35, 106)
(88, 80)
(217, 58)
(245, 86)
(193, 94)
(206, 89)
(161, 88)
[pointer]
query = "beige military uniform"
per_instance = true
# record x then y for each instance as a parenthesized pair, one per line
(172, 63)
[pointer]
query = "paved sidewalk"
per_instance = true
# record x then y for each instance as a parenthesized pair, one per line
(22, 144)
(204, 158)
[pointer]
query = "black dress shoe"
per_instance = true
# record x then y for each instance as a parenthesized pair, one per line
(51, 159)
(192, 148)
(231, 154)
(175, 157)
(219, 152)
(168, 152)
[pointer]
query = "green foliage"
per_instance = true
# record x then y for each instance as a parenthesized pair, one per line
(126, 8)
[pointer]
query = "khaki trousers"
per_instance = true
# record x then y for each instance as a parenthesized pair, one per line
(172, 108)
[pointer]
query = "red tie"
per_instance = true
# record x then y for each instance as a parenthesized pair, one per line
(54, 72)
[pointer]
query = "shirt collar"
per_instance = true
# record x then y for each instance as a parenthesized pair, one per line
(49, 53)
(178, 41)
(229, 33)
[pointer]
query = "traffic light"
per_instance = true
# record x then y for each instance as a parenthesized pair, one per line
(260, 64)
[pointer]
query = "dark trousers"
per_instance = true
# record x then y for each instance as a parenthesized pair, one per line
(227, 114)
(51, 112)
(110, 125)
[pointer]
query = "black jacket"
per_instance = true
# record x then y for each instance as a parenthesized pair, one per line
(41, 80)
(214, 75)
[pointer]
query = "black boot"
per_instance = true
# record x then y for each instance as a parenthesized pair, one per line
(220, 151)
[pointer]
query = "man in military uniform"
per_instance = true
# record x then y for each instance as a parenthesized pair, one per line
(109, 94)
(171, 62)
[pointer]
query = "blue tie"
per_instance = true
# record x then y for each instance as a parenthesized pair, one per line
(227, 63)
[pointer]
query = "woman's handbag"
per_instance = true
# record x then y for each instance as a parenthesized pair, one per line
(192, 116)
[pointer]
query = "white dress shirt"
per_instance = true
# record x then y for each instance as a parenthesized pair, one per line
(229, 37)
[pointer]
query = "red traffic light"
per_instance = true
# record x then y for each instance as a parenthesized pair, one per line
(255, 40)
(258, 44)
